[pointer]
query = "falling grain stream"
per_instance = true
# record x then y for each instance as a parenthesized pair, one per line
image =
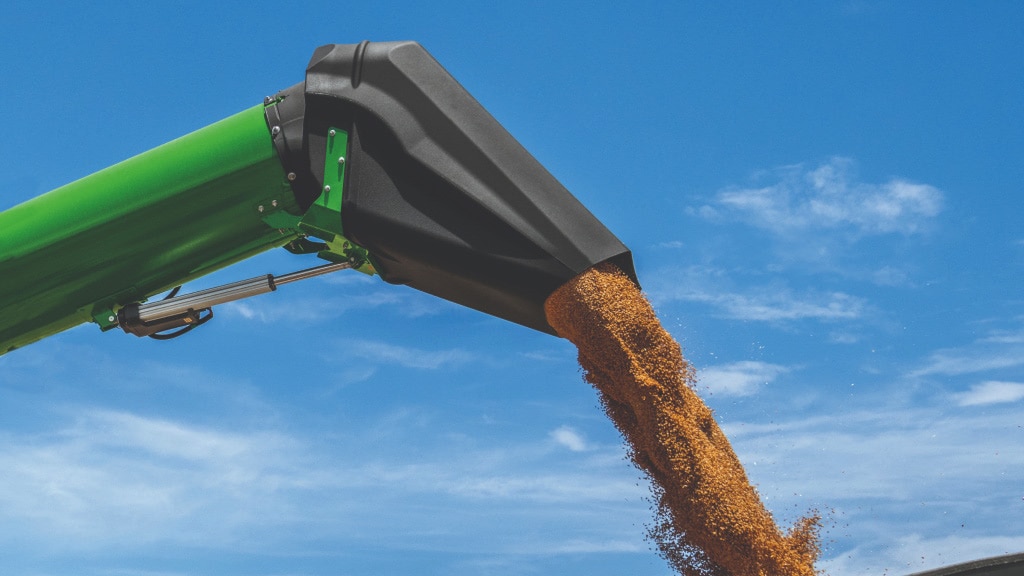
(709, 519)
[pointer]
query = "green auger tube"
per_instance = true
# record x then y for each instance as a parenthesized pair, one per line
(174, 213)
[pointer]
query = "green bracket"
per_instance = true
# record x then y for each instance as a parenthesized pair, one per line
(323, 219)
(106, 318)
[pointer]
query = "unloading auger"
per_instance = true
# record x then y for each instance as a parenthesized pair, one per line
(379, 161)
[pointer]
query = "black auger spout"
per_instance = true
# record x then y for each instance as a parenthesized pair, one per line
(438, 193)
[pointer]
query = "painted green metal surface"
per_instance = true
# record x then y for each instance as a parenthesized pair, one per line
(323, 219)
(137, 228)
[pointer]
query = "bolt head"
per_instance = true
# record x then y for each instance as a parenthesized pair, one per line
(260, 208)
(275, 130)
(273, 203)
(341, 161)
(327, 188)
(332, 132)
(111, 318)
(292, 176)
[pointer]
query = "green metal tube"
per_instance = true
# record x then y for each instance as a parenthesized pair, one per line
(135, 229)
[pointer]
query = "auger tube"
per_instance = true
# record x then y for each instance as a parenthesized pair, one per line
(140, 227)
(379, 155)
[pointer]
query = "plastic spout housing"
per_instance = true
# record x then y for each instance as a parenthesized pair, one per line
(441, 195)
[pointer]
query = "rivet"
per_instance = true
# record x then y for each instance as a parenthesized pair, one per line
(260, 208)
(332, 133)
(291, 176)
(275, 130)
(327, 188)
(267, 100)
(110, 318)
(273, 203)
(341, 161)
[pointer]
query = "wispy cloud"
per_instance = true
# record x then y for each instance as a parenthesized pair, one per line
(115, 477)
(111, 480)
(1004, 337)
(669, 245)
(277, 307)
(739, 378)
(957, 362)
(890, 276)
(767, 303)
(997, 350)
(916, 553)
(578, 546)
(828, 196)
(783, 304)
(891, 468)
(377, 352)
(991, 392)
(569, 437)
(542, 488)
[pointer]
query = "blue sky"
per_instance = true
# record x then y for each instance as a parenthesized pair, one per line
(823, 200)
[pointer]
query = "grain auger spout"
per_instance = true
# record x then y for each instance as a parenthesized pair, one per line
(379, 161)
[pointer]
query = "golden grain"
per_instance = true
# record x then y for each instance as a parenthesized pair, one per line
(709, 520)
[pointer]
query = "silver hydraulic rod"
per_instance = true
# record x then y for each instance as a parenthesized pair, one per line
(206, 298)
(148, 319)
(310, 273)
(210, 297)
(228, 292)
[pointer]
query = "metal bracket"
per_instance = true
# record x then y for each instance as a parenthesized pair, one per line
(323, 219)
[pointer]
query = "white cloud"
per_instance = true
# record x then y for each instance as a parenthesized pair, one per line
(543, 488)
(784, 305)
(770, 303)
(279, 307)
(970, 360)
(838, 337)
(916, 553)
(384, 353)
(577, 546)
(114, 480)
(115, 477)
(890, 276)
(827, 197)
(739, 378)
(1004, 337)
(944, 477)
(243, 309)
(671, 245)
(937, 447)
(568, 437)
(999, 350)
(991, 392)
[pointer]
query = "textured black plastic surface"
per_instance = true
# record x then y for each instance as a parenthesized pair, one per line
(440, 194)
